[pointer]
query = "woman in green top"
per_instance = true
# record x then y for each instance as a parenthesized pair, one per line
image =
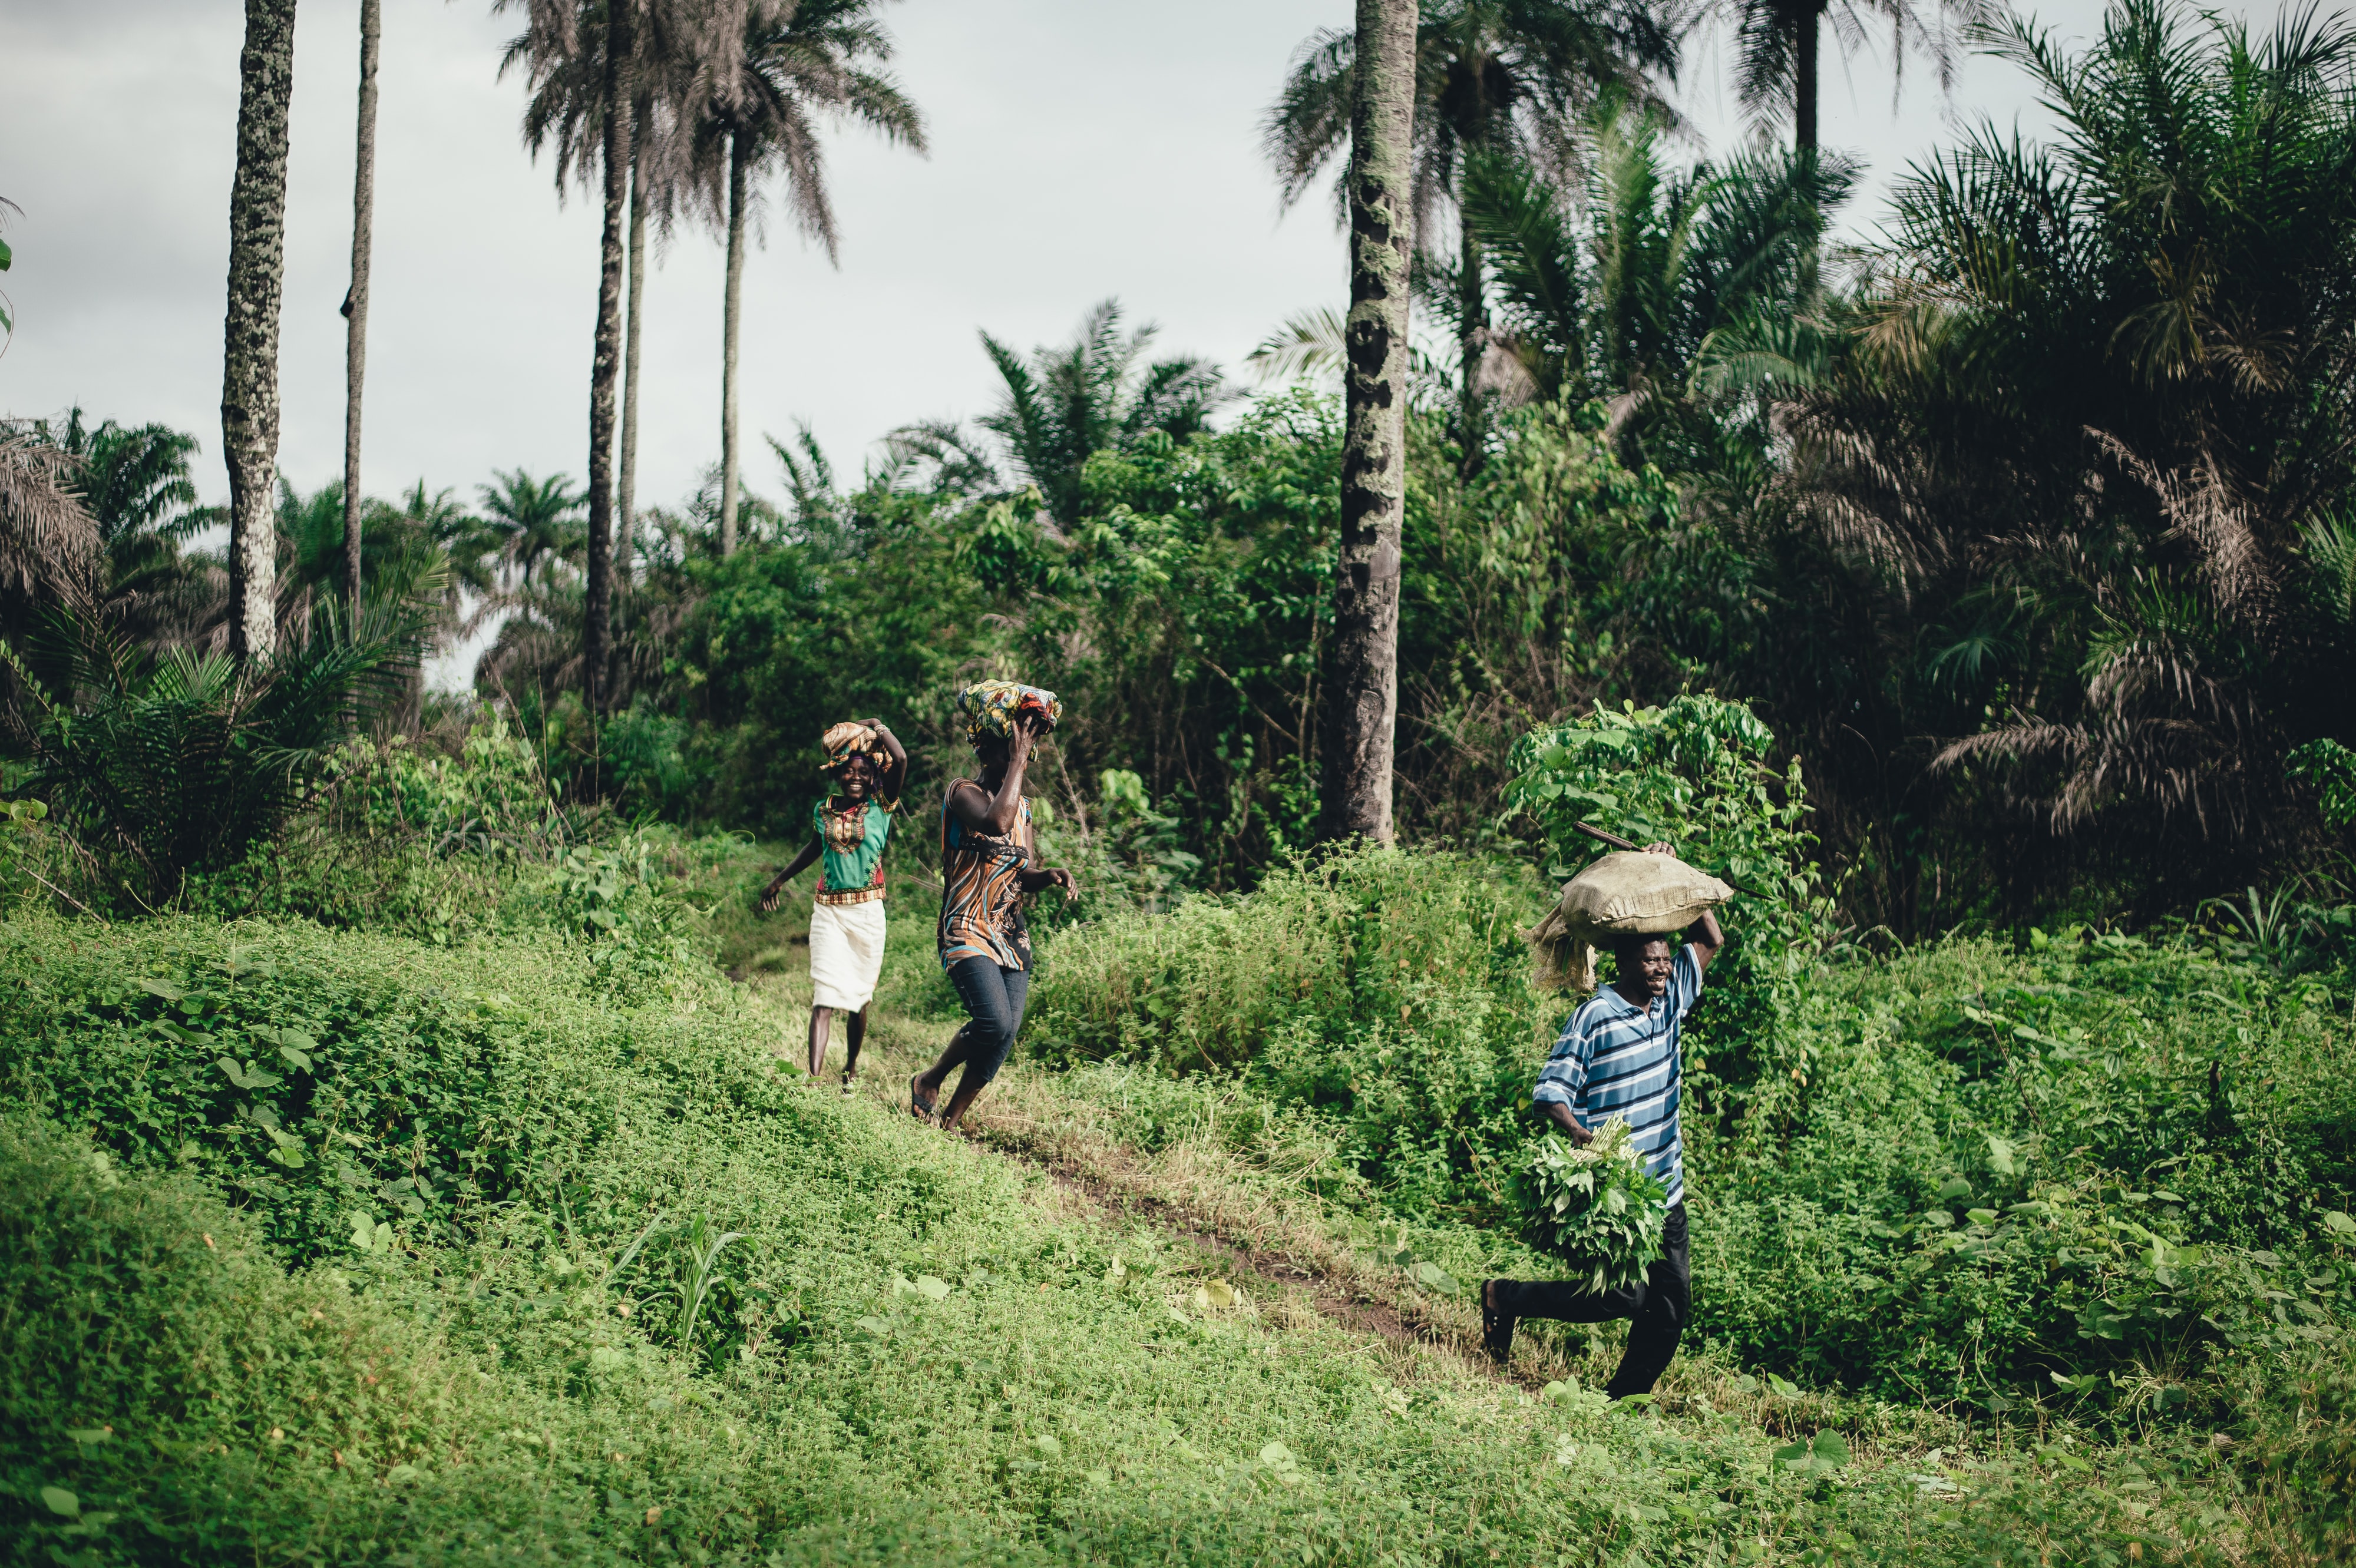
(846, 939)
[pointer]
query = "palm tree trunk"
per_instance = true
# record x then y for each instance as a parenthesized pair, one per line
(1474, 346)
(597, 629)
(732, 323)
(1804, 78)
(1362, 690)
(355, 302)
(257, 266)
(627, 501)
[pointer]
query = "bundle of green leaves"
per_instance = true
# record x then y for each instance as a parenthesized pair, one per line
(1596, 1206)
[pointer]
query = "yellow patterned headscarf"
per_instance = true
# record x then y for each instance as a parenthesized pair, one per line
(990, 707)
(843, 741)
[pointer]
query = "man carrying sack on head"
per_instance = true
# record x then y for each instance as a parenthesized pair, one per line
(1619, 1057)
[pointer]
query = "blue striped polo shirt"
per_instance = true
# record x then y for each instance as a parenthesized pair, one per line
(1617, 1060)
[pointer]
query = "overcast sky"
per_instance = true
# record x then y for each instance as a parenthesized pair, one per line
(1080, 149)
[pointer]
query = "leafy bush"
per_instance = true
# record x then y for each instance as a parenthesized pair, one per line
(1694, 773)
(1595, 1206)
(2330, 768)
(178, 764)
(644, 753)
(402, 837)
(1963, 1170)
(1387, 990)
(622, 903)
(1947, 1175)
(490, 796)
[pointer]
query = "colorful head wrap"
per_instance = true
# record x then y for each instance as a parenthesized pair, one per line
(991, 706)
(843, 741)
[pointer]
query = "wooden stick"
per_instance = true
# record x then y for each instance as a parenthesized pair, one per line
(1612, 838)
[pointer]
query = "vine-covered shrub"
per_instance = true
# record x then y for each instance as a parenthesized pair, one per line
(1696, 774)
(1388, 990)
(312, 1080)
(1950, 1174)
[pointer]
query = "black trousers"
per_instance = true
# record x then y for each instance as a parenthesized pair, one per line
(1658, 1308)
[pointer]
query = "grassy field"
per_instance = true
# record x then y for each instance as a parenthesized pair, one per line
(335, 1246)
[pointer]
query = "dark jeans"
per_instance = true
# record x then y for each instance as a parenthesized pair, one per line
(993, 1000)
(1658, 1309)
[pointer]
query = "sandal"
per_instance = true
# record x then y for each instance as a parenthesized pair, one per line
(850, 1084)
(924, 1110)
(1496, 1328)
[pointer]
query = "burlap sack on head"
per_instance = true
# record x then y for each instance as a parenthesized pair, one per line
(1626, 893)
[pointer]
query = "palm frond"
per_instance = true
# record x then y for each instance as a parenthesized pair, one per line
(48, 538)
(1308, 345)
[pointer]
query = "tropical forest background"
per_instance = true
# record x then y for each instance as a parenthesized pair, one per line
(1964, 574)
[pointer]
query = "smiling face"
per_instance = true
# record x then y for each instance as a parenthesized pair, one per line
(1645, 965)
(856, 777)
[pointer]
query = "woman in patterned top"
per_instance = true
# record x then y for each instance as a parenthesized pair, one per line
(989, 860)
(846, 935)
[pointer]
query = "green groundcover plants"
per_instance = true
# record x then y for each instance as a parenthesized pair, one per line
(327, 1246)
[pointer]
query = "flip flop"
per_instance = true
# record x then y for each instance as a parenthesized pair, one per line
(850, 1083)
(1496, 1328)
(924, 1110)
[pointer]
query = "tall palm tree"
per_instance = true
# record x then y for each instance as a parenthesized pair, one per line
(531, 525)
(1361, 703)
(1061, 406)
(584, 61)
(356, 301)
(1490, 75)
(669, 84)
(257, 266)
(1777, 47)
(625, 487)
(1614, 288)
(2095, 425)
(799, 59)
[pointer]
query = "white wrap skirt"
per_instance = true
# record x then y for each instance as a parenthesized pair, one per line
(846, 943)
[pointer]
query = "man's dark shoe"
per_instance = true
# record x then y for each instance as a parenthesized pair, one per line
(1496, 1328)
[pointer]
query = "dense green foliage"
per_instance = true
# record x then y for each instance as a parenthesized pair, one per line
(468, 1293)
(1947, 1175)
(396, 1179)
(624, 1292)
